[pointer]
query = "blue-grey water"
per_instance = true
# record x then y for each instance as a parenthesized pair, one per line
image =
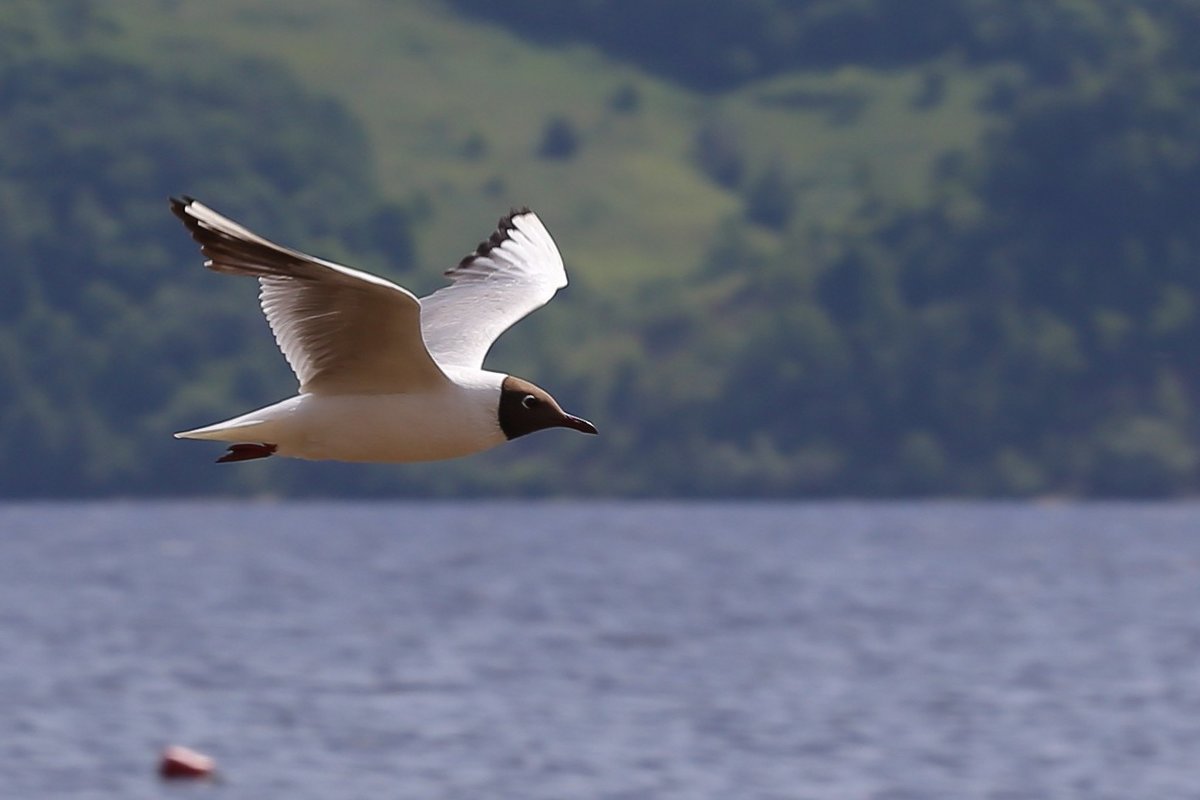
(544, 650)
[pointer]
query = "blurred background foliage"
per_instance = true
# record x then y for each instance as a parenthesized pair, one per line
(866, 248)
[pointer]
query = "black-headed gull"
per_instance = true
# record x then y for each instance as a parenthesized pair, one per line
(385, 376)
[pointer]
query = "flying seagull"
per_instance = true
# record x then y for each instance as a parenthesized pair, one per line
(384, 376)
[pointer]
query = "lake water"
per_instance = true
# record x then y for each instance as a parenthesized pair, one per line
(591, 650)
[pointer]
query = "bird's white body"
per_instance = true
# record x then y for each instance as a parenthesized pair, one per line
(385, 376)
(456, 418)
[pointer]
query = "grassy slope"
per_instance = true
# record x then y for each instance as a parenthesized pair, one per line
(631, 203)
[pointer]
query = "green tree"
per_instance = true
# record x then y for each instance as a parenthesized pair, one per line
(112, 334)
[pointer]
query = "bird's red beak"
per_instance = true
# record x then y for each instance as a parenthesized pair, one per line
(577, 424)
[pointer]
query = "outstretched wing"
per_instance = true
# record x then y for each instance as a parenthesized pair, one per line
(517, 270)
(342, 331)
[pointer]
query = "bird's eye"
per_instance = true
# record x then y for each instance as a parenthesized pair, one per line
(529, 401)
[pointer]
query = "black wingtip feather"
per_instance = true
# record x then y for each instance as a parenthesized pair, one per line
(179, 206)
(227, 251)
(503, 227)
(506, 222)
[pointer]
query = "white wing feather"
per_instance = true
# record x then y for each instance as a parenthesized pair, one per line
(342, 331)
(516, 271)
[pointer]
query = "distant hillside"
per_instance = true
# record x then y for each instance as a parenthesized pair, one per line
(807, 258)
(726, 43)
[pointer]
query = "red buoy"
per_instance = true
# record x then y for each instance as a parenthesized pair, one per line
(184, 763)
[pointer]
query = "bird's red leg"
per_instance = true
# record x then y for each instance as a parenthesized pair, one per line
(245, 452)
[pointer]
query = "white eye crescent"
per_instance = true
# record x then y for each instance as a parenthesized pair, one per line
(529, 401)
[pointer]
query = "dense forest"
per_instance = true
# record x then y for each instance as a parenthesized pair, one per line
(1021, 326)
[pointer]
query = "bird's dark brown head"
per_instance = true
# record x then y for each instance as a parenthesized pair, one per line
(525, 408)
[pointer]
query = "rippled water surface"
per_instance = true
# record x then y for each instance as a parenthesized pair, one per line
(518, 650)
